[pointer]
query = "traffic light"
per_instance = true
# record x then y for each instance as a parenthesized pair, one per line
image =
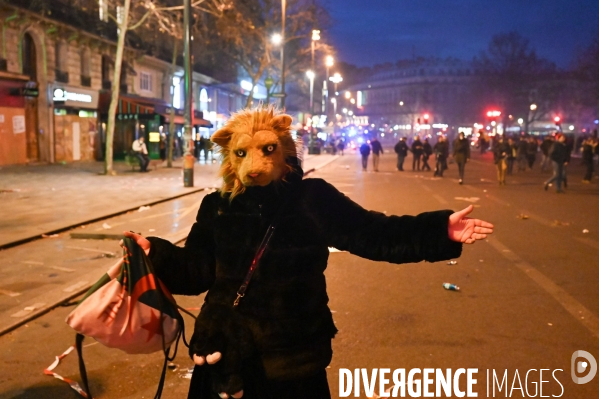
(557, 119)
(426, 116)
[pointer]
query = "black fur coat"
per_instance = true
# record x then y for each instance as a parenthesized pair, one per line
(285, 307)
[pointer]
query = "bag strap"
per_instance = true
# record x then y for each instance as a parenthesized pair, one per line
(263, 245)
(78, 344)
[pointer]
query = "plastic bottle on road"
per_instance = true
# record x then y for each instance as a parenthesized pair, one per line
(451, 287)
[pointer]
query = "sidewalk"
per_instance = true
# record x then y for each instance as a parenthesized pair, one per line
(40, 199)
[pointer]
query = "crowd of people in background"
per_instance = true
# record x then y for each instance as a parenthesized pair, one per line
(555, 155)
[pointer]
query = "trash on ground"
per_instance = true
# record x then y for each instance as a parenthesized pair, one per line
(451, 287)
(452, 262)
(522, 216)
(186, 374)
(468, 199)
(143, 208)
(50, 371)
(172, 366)
(150, 230)
(106, 226)
(558, 223)
(585, 231)
(49, 235)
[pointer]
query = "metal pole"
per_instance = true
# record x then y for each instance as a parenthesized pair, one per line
(312, 80)
(283, 12)
(188, 159)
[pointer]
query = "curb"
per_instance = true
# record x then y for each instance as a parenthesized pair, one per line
(95, 275)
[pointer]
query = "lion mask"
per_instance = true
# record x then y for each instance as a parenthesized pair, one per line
(254, 145)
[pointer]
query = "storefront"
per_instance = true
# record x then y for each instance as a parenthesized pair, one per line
(16, 129)
(75, 123)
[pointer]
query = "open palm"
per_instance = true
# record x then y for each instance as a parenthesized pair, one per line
(466, 230)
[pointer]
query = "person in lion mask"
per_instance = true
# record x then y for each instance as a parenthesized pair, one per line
(272, 339)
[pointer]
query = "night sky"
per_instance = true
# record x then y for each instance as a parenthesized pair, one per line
(367, 32)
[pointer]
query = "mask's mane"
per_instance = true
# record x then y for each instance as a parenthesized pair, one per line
(251, 121)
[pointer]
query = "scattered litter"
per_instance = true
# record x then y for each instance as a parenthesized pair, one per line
(76, 286)
(9, 293)
(62, 269)
(28, 309)
(49, 235)
(13, 190)
(186, 374)
(484, 191)
(452, 262)
(558, 223)
(332, 249)
(549, 324)
(143, 208)
(451, 287)
(468, 199)
(106, 226)
(53, 275)
(585, 231)
(50, 371)
(32, 262)
(522, 216)
(172, 366)
(152, 230)
(481, 261)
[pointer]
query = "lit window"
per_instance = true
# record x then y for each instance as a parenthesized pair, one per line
(177, 92)
(145, 81)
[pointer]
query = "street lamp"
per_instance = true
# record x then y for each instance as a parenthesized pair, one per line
(276, 39)
(336, 78)
(329, 61)
(533, 107)
(310, 74)
(283, 13)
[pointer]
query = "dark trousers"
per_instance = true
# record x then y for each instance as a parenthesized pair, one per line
(364, 161)
(439, 166)
(400, 159)
(144, 161)
(510, 165)
(589, 172)
(461, 168)
(425, 165)
(312, 387)
(416, 162)
(558, 175)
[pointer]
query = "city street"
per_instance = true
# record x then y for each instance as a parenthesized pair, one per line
(528, 294)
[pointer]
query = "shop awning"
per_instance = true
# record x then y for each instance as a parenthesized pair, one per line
(180, 120)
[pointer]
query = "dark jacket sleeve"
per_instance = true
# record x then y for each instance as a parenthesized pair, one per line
(376, 236)
(188, 270)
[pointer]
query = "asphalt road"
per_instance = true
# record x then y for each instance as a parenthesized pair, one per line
(528, 297)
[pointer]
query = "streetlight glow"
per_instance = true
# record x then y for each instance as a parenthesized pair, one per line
(520, 121)
(347, 95)
(315, 34)
(310, 74)
(276, 39)
(329, 61)
(533, 107)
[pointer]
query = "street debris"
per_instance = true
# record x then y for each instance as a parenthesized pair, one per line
(76, 286)
(49, 235)
(585, 231)
(172, 366)
(452, 262)
(106, 226)
(186, 374)
(50, 371)
(558, 223)
(451, 287)
(468, 199)
(9, 293)
(143, 208)
(62, 269)
(522, 216)
(151, 230)
(28, 309)
(550, 324)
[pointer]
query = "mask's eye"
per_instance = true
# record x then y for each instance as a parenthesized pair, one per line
(269, 149)
(240, 153)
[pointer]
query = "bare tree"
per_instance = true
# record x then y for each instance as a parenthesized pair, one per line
(518, 78)
(244, 33)
(155, 16)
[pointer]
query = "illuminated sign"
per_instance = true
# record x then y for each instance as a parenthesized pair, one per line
(63, 95)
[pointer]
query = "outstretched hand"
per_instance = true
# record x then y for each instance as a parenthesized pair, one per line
(466, 230)
(140, 240)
